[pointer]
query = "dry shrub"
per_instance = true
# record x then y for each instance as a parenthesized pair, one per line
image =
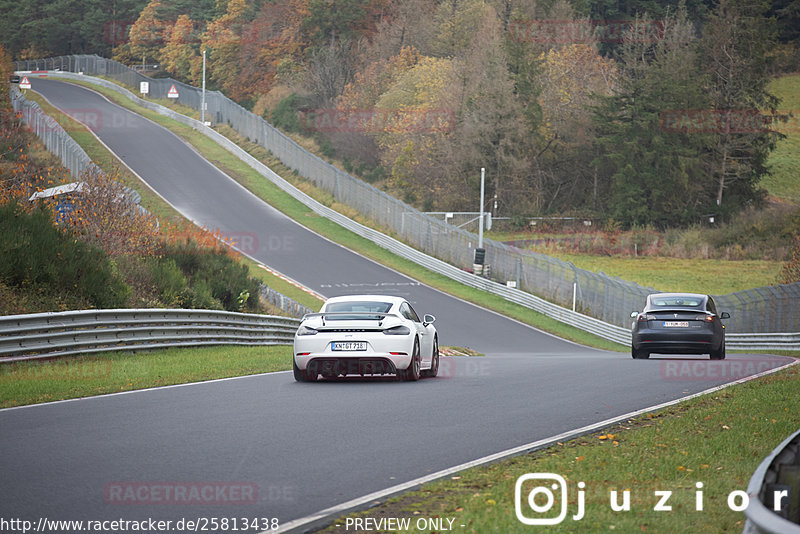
(790, 272)
(104, 215)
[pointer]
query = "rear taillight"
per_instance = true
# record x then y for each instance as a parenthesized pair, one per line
(706, 318)
(400, 330)
(644, 317)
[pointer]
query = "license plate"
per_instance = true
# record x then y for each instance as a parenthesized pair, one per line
(676, 324)
(348, 345)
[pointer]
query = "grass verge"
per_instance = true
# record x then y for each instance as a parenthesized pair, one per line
(34, 382)
(717, 440)
(716, 277)
(270, 193)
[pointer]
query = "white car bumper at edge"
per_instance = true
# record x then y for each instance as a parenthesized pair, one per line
(395, 349)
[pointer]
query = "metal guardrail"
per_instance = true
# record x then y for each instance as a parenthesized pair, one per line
(47, 335)
(609, 298)
(53, 135)
(780, 471)
(602, 329)
(589, 324)
(284, 303)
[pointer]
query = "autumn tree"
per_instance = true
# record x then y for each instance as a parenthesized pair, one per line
(407, 23)
(457, 23)
(180, 55)
(272, 41)
(361, 95)
(414, 121)
(332, 21)
(149, 33)
(570, 77)
(222, 40)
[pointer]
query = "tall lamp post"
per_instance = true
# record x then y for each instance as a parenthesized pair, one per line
(203, 103)
(480, 252)
(480, 221)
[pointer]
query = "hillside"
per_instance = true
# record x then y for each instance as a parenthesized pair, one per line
(418, 95)
(784, 182)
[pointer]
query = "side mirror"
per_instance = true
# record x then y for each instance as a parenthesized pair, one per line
(634, 314)
(428, 319)
(725, 315)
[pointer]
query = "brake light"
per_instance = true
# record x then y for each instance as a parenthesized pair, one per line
(400, 330)
(306, 331)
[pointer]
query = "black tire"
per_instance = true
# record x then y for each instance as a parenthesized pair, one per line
(639, 354)
(301, 376)
(412, 374)
(434, 370)
(719, 354)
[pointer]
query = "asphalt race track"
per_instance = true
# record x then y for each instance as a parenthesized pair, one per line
(280, 449)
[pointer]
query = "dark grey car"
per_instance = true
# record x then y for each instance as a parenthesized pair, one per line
(678, 323)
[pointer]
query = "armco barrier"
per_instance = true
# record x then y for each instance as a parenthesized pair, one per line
(778, 472)
(765, 309)
(47, 335)
(617, 334)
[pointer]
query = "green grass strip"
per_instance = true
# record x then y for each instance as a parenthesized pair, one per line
(72, 377)
(717, 440)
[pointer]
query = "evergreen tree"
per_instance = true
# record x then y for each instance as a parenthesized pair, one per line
(653, 174)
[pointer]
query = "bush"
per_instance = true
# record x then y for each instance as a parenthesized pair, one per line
(285, 117)
(215, 279)
(38, 257)
(169, 282)
(790, 272)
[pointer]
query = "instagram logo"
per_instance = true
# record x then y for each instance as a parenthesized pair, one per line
(541, 499)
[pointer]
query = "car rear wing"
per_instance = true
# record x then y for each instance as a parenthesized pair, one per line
(356, 316)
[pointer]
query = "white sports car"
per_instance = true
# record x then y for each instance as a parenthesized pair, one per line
(366, 335)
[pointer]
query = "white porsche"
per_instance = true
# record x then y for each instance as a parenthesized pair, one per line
(366, 335)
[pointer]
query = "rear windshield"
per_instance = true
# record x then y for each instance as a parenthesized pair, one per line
(680, 301)
(359, 307)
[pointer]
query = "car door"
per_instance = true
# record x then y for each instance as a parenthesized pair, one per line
(425, 340)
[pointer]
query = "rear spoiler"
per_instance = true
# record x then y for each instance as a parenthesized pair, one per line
(367, 316)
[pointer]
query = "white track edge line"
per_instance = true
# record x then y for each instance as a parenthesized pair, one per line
(564, 436)
(130, 391)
